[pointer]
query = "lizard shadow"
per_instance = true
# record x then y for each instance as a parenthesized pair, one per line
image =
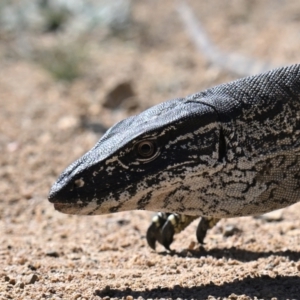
(266, 287)
(233, 253)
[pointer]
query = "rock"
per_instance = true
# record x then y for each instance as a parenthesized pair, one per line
(230, 230)
(118, 94)
(32, 267)
(20, 284)
(273, 216)
(52, 253)
(31, 279)
(192, 245)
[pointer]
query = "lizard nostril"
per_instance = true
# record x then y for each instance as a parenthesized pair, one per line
(79, 183)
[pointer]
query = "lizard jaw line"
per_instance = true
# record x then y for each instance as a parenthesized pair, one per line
(68, 208)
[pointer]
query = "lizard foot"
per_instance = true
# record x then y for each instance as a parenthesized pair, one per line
(205, 224)
(164, 226)
(154, 232)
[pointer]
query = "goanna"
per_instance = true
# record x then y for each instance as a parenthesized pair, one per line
(229, 151)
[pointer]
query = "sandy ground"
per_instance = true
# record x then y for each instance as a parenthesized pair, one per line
(45, 125)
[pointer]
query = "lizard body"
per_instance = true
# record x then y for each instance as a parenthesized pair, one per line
(232, 150)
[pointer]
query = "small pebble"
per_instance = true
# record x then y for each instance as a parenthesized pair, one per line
(230, 230)
(32, 267)
(52, 254)
(233, 297)
(269, 266)
(20, 284)
(150, 263)
(273, 216)
(31, 279)
(192, 245)
(121, 92)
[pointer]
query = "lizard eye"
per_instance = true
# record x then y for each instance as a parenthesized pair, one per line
(146, 150)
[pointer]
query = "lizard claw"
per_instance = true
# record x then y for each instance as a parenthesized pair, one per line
(154, 232)
(168, 232)
(203, 226)
(161, 231)
(201, 232)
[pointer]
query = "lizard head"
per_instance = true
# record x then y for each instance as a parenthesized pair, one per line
(142, 161)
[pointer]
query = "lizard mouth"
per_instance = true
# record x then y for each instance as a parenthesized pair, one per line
(77, 208)
(67, 208)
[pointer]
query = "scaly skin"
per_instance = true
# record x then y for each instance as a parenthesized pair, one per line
(232, 150)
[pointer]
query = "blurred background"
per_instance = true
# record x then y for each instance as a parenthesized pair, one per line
(71, 69)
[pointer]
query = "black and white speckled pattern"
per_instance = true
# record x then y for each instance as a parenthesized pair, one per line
(232, 150)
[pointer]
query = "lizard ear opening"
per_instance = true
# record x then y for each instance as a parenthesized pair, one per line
(222, 146)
